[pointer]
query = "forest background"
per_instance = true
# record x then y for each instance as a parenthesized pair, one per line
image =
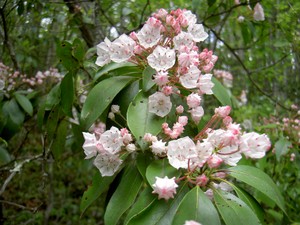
(42, 184)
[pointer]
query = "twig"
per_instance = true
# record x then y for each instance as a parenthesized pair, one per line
(20, 206)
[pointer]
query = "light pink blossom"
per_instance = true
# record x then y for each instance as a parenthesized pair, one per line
(161, 59)
(198, 33)
(180, 151)
(197, 113)
(112, 140)
(107, 163)
(193, 100)
(122, 49)
(103, 53)
(189, 80)
(258, 14)
(159, 148)
(205, 84)
(160, 104)
(164, 187)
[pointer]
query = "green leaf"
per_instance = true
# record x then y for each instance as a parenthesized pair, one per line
(148, 83)
(140, 120)
(4, 156)
(52, 122)
(125, 194)
(145, 199)
(100, 97)
(211, 2)
(260, 181)
(282, 147)
(58, 146)
(250, 201)
(160, 168)
(198, 207)
(159, 212)
(121, 68)
(221, 93)
(64, 53)
(14, 112)
(24, 103)
(233, 210)
(67, 94)
(78, 49)
(53, 98)
(143, 160)
(100, 184)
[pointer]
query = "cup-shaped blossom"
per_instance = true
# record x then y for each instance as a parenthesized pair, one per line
(258, 14)
(223, 111)
(103, 53)
(160, 104)
(164, 187)
(198, 33)
(180, 152)
(193, 100)
(183, 39)
(149, 36)
(90, 145)
(205, 84)
(122, 48)
(254, 145)
(197, 113)
(112, 140)
(107, 163)
(162, 59)
(190, 79)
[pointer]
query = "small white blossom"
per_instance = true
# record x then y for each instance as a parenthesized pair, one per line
(198, 33)
(89, 145)
(149, 36)
(103, 53)
(189, 80)
(180, 151)
(112, 140)
(160, 104)
(205, 84)
(161, 58)
(165, 187)
(107, 163)
(122, 49)
(159, 148)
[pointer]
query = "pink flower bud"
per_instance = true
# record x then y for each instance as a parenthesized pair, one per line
(202, 180)
(223, 111)
(227, 120)
(183, 120)
(167, 90)
(165, 187)
(179, 109)
(214, 161)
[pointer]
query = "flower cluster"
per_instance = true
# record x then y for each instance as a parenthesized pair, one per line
(11, 80)
(168, 43)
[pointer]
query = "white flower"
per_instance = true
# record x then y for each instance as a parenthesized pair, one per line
(258, 14)
(193, 100)
(198, 33)
(165, 187)
(161, 58)
(254, 145)
(149, 36)
(107, 163)
(205, 84)
(183, 39)
(180, 151)
(189, 80)
(197, 113)
(204, 151)
(122, 49)
(130, 147)
(190, 17)
(89, 145)
(112, 140)
(159, 104)
(103, 53)
(230, 155)
(191, 222)
(159, 147)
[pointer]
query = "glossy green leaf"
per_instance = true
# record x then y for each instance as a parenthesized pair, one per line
(58, 146)
(160, 168)
(250, 201)
(140, 120)
(100, 184)
(53, 98)
(233, 210)
(67, 94)
(4, 156)
(52, 122)
(13, 111)
(115, 66)
(148, 82)
(221, 93)
(64, 53)
(100, 97)
(159, 212)
(78, 49)
(260, 181)
(143, 160)
(198, 207)
(282, 147)
(124, 195)
(145, 199)
(24, 103)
